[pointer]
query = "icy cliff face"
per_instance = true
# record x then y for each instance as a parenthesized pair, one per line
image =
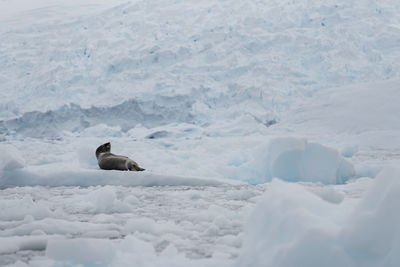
(259, 54)
(73, 118)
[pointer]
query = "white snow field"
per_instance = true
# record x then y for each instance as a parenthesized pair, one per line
(269, 131)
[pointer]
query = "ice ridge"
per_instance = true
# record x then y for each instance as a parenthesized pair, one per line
(74, 118)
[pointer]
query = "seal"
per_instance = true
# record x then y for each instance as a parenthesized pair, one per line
(110, 161)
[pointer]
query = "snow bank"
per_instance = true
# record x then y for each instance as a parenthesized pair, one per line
(293, 159)
(53, 176)
(363, 116)
(293, 227)
(351, 109)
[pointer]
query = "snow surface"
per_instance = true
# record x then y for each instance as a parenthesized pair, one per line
(261, 125)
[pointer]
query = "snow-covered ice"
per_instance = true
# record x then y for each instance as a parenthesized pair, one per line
(199, 221)
(298, 160)
(269, 131)
(301, 229)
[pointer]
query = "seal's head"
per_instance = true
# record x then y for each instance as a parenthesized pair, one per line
(103, 148)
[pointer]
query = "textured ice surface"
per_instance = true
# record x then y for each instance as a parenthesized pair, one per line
(126, 116)
(136, 222)
(219, 54)
(198, 92)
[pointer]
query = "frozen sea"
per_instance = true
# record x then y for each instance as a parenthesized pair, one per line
(269, 131)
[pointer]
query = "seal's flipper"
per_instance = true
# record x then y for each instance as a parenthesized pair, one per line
(139, 169)
(132, 166)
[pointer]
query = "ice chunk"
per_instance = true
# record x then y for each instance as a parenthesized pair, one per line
(81, 250)
(33, 244)
(285, 215)
(329, 194)
(105, 200)
(373, 230)
(293, 159)
(349, 151)
(344, 171)
(9, 245)
(27, 210)
(10, 158)
(291, 226)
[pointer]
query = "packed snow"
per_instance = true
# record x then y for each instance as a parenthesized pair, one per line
(269, 131)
